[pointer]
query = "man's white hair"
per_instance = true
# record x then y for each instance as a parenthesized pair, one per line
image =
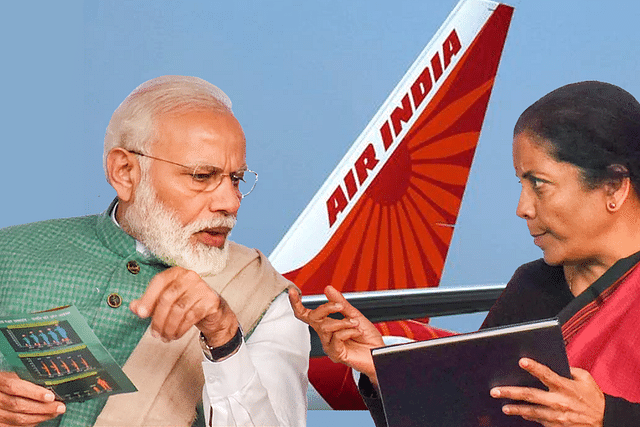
(132, 125)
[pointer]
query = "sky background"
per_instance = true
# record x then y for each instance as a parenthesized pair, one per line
(305, 78)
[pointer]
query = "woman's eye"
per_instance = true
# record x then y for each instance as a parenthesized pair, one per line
(536, 183)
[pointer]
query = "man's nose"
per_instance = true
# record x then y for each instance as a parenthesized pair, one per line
(226, 197)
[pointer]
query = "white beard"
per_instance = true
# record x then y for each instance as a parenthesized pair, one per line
(161, 232)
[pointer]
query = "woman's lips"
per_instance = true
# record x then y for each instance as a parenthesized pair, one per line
(537, 238)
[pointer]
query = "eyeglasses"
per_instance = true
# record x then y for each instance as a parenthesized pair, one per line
(208, 178)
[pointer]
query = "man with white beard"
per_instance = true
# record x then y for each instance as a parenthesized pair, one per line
(201, 324)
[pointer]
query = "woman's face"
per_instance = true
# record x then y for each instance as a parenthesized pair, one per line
(568, 221)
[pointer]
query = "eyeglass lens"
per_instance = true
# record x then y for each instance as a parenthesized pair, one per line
(208, 178)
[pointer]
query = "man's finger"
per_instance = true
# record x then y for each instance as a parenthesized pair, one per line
(169, 310)
(159, 289)
(146, 304)
(13, 385)
(22, 400)
(191, 312)
(8, 418)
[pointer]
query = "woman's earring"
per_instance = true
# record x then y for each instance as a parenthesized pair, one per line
(612, 205)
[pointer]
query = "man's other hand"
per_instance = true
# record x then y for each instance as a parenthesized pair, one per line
(177, 299)
(25, 404)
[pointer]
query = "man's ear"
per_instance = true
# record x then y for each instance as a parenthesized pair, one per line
(123, 172)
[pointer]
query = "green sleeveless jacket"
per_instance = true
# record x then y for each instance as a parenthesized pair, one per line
(80, 261)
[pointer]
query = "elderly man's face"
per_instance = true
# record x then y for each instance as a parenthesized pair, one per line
(198, 138)
(180, 224)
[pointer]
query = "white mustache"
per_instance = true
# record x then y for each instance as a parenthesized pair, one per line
(226, 221)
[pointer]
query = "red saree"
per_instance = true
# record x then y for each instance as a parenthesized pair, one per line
(601, 328)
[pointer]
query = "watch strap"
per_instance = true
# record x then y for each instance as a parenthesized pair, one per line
(217, 354)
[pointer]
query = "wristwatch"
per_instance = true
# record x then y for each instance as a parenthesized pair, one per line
(217, 354)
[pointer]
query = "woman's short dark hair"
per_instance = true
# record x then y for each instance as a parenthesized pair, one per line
(592, 125)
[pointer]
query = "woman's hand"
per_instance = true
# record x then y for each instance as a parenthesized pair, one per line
(576, 402)
(347, 340)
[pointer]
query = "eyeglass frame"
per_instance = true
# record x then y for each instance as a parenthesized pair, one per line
(222, 175)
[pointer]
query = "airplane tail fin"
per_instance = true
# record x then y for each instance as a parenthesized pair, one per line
(385, 217)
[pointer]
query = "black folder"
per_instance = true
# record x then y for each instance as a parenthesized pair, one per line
(445, 382)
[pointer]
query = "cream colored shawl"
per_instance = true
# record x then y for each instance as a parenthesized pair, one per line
(169, 376)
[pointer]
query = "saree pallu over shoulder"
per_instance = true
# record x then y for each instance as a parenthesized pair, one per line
(602, 333)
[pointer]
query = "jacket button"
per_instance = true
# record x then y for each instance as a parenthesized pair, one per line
(114, 300)
(133, 267)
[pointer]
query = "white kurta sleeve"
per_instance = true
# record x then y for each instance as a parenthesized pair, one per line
(265, 382)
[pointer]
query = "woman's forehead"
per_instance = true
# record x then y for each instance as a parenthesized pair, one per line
(534, 155)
